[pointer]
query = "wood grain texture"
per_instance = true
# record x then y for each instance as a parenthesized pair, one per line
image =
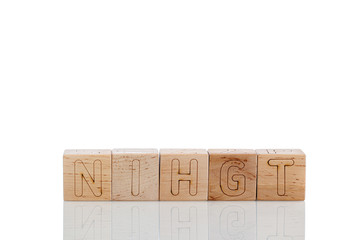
(232, 174)
(135, 174)
(281, 174)
(87, 175)
(183, 174)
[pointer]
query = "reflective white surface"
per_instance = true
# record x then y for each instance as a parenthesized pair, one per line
(184, 220)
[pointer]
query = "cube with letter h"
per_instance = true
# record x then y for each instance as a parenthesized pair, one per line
(281, 175)
(183, 174)
(87, 175)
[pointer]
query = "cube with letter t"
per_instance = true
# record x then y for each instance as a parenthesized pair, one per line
(281, 175)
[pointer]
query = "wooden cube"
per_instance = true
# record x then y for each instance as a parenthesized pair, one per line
(183, 174)
(135, 174)
(232, 174)
(281, 174)
(87, 175)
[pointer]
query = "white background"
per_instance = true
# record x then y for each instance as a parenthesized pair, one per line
(204, 74)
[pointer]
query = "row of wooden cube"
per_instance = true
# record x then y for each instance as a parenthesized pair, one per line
(184, 174)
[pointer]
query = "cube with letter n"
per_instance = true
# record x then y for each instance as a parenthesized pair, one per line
(87, 175)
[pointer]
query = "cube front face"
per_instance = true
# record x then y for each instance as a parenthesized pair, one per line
(183, 174)
(281, 175)
(135, 174)
(87, 175)
(232, 174)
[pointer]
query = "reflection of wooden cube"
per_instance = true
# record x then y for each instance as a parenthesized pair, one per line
(87, 175)
(235, 220)
(183, 174)
(135, 174)
(280, 220)
(134, 220)
(281, 174)
(232, 174)
(185, 220)
(87, 220)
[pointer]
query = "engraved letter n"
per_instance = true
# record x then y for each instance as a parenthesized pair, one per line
(93, 181)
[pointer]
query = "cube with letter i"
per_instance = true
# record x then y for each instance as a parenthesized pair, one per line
(135, 174)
